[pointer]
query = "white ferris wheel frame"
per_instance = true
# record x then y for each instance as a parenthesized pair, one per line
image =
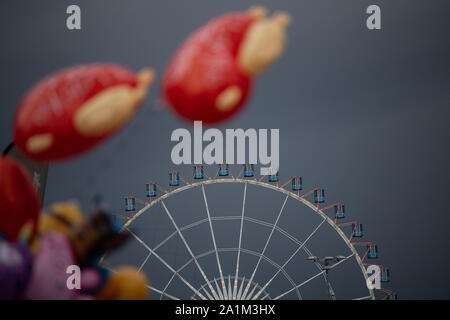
(235, 292)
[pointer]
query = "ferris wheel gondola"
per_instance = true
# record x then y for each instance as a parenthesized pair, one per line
(230, 283)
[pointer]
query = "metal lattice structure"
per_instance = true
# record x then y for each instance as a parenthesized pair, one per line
(221, 272)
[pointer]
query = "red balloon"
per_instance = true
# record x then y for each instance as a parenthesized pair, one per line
(19, 203)
(72, 110)
(209, 78)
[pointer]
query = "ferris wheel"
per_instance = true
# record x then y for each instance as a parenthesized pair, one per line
(243, 237)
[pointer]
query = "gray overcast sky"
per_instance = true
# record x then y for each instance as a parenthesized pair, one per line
(362, 113)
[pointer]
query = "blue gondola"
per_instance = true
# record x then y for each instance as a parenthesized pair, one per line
(297, 184)
(223, 170)
(150, 189)
(339, 211)
(274, 177)
(319, 196)
(115, 222)
(357, 230)
(174, 179)
(198, 172)
(130, 204)
(373, 251)
(385, 277)
(248, 170)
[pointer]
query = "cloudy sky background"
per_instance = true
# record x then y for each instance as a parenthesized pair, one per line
(362, 113)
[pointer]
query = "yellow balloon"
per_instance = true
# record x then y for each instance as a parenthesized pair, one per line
(127, 283)
(61, 217)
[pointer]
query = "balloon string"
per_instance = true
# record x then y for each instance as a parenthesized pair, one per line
(122, 145)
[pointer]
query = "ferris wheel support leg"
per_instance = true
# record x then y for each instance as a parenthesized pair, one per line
(288, 260)
(313, 277)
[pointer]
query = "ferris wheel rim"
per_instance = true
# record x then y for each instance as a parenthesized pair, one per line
(260, 183)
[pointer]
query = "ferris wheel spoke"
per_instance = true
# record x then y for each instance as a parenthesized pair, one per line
(163, 293)
(276, 266)
(300, 285)
(169, 282)
(341, 261)
(218, 290)
(313, 277)
(265, 247)
(257, 254)
(145, 261)
(223, 286)
(230, 294)
(215, 245)
(363, 298)
(208, 294)
(290, 258)
(249, 296)
(265, 297)
(188, 248)
(239, 294)
(240, 243)
(156, 248)
(166, 264)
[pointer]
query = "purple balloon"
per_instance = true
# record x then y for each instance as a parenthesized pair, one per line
(16, 264)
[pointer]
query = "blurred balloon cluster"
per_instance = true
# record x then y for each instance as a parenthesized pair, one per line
(37, 251)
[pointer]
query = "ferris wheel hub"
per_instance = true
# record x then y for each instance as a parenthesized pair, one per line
(232, 288)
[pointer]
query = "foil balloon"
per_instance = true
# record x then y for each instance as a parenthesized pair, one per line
(73, 110)
(211, 75)
(19, 203)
